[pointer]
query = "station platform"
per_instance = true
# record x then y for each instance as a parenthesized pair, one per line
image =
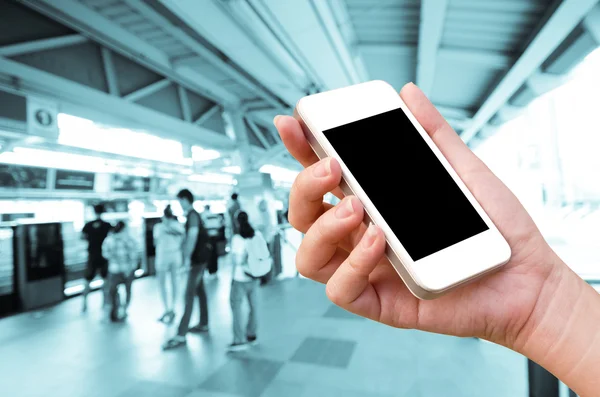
(308, 347)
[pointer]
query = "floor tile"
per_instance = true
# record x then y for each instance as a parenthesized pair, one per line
(206, 393)
(335, 311)
(325, 352)
(280, 388)
(155, 389)
(244, 376)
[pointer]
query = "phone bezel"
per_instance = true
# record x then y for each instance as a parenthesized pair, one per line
(433, 275)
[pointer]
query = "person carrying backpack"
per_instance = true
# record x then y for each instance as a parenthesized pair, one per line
(252, 261)
(121, 251)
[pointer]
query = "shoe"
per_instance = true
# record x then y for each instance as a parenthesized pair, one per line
(252, 341)
(174, 342)
(236, 347)
(165, 317)
(170, 317)
(199, 328)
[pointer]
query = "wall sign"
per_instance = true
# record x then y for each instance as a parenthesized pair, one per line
(74, 180)
(23, 177)
(130, 183)
(42, 118)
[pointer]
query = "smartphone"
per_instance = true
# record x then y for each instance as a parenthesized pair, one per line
(438, 236)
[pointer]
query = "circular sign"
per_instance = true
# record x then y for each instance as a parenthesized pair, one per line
(44, 117)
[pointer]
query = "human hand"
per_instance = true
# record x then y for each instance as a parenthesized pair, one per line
(500, 307)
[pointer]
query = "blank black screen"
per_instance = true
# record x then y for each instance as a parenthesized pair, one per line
(406, 182)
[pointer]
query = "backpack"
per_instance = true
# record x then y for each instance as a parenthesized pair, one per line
(259, 257)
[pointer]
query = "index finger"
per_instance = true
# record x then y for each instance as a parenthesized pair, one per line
(294, 140)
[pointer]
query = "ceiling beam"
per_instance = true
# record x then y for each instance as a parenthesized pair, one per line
(562, 22)
(454, 113)
(258, 133)
(87, 102)
(271, 155)
(389, 49)
(42, 45)
(109, 72)
(147, 90)
(325, 12)
(591, 23)
(267, 124)
(207, 115)
(433, 15)
(217, 61)
(490, 59)
(113, 36)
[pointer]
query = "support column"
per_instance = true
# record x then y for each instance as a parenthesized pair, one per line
(252, 185)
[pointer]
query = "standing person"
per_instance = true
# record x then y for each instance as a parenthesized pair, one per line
(121, 251)
(211, 222)
(232, 209)
(168, 239)
(267, 227)
(195, 258)
(248, 249)
(95, 232)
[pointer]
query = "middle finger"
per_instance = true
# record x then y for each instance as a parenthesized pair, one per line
(319, 254)
(306, 196)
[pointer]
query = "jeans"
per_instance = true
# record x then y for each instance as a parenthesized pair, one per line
(194, 287)
(114, 279)
(241, 290)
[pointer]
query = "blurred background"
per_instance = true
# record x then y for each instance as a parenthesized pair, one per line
(125, 102)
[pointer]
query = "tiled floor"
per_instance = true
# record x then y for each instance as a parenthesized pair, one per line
(308, 347)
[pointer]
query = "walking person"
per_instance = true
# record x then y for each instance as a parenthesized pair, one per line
(121, 251)
(168, 239)
(232, 208)
(196, 249)
(95, 232)
(266, 225)
(252, 261)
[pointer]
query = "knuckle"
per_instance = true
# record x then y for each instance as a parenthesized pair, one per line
(333, 293)
(303, 266)
(296, 221)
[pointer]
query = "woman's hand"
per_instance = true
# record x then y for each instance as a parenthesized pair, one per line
(508, 307)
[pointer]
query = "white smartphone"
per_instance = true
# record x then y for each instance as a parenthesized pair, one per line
(438, 236)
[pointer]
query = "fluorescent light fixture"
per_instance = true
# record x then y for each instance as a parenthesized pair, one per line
(232, 169)
(83, 133)
(201, 154)
(222, 179)
(47, 158)
(279, 173)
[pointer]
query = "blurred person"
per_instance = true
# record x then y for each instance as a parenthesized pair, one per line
(232, 209)
(95, 232)
(168, 239)
(122, 253)
(535, 304)
(266, 225)
(246, 246)
(196, 249)
(211, 221)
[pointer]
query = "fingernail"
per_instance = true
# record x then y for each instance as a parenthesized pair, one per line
(323, 168)
(370, 236)
(346, 208)
(275, 120)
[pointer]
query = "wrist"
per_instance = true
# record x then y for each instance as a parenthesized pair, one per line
(562, 333)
